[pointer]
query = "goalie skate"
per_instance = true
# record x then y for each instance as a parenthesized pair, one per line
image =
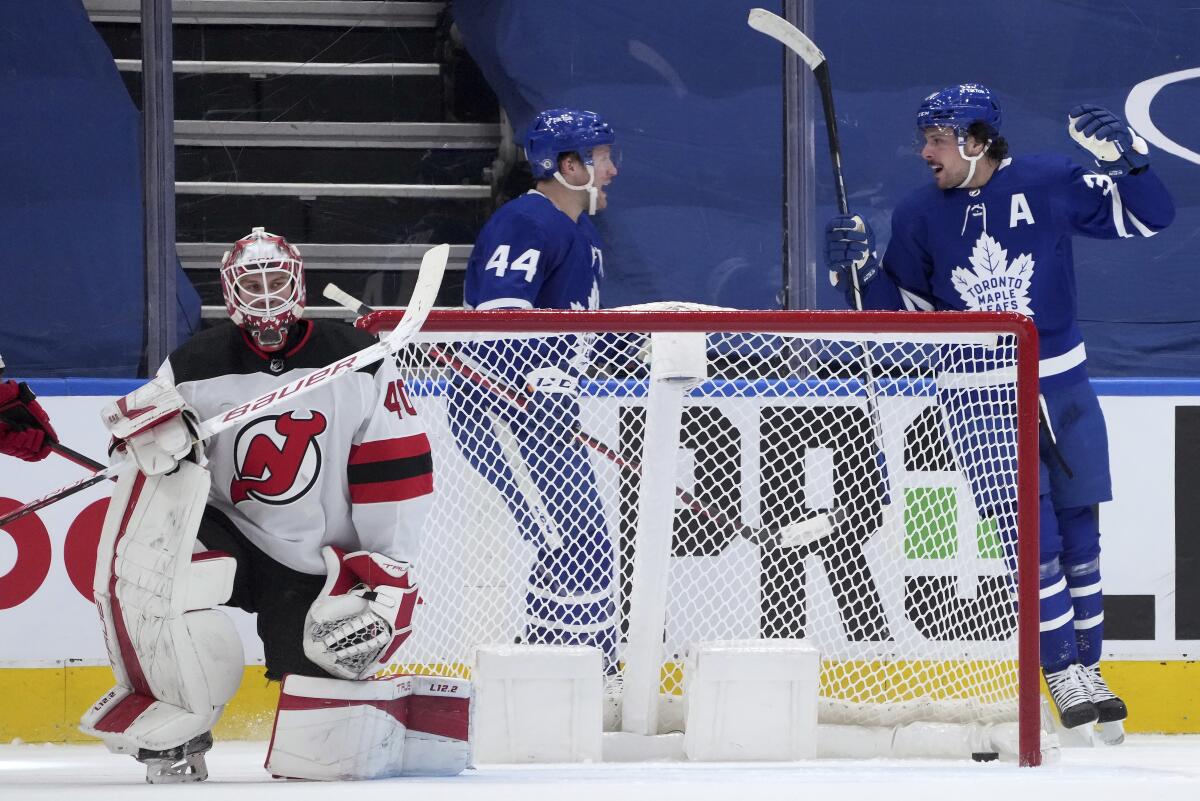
(184, 763)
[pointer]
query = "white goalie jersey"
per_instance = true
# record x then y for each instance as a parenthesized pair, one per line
(347, 464)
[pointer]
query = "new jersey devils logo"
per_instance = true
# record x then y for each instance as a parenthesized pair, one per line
(277, 458)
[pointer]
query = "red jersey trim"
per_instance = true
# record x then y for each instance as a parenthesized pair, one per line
(387, 449)
(392, 491)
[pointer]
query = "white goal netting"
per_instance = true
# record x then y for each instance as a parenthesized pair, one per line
(856, 490)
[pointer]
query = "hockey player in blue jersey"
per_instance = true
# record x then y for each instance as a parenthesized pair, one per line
(993, 232)
(541, 251)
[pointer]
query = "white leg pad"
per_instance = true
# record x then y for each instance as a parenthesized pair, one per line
(538, 703)
(751, 700)
(177, 661)
(336, 730)
(438, 741)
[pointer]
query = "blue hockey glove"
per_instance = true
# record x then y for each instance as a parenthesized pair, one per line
(1116, 147)
(850, 242)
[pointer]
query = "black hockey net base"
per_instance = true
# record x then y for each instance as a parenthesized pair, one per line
(857, 480)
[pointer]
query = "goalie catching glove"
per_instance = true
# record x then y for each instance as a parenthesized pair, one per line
(363, 614)
(154, 426)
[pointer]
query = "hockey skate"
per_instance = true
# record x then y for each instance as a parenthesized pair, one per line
(1072, 695)
(183, 763)
(1110, 707)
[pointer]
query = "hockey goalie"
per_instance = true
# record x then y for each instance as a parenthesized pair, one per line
(310, 517)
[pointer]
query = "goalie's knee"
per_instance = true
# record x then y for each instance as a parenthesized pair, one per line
(333, 729)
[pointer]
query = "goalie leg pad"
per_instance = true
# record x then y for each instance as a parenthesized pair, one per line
(334, 730)
(177, 662)
(438, 741)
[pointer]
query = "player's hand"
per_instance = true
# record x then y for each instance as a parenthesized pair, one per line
(551, 409)
(1116, 147)
(154, 425)
(362, 615)
(850, 244)
(25, 430)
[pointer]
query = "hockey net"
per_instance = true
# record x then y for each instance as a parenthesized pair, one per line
(857, 480)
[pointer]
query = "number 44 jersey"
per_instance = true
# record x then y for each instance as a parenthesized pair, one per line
(530, 255)
(345, 464)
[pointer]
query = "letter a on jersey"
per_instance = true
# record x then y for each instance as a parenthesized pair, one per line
(277, 458)
(1019, 211)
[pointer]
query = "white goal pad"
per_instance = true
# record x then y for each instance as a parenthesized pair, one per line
(752, 700)
(538, 703)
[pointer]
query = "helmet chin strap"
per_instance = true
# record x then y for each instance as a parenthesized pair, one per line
(589, 187)
(972, 160)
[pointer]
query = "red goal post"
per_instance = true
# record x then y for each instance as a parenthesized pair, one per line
(911, 438)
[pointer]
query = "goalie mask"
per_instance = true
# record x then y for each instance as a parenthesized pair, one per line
(262, 279)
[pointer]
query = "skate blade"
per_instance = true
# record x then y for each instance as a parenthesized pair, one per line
(190, 769)
(1111, 733)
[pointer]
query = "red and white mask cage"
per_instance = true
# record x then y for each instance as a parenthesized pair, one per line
(262, 279)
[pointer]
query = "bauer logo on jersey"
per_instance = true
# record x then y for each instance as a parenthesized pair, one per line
(277, 458)
(996, 284)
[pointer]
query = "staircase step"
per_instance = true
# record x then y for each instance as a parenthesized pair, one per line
(336, 13)
(297, 98)
(365, 220)
(265, 68)
(298, 134)
(281, 43)
(315, 190)
(350, 165)
(332, 256)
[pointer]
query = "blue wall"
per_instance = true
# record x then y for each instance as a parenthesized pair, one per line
(71, 284)
(696, 98)
(696, 211)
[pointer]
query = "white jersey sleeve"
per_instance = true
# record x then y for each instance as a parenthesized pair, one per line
(390, 471)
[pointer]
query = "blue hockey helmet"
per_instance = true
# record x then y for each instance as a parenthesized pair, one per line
(564, 130)
(958, 106)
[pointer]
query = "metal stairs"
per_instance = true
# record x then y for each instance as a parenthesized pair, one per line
(332, 122)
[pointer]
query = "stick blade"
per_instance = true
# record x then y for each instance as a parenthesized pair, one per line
(786, 34)
(429, 281)
(343, 299)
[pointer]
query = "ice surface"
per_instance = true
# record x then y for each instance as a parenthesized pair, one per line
(1145, 768)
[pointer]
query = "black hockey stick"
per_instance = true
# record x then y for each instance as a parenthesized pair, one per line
(794, 39)
(791, 535)
(429, 280)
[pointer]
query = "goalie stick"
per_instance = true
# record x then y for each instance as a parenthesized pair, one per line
(429, 281)
(794, 39)
(792, 535)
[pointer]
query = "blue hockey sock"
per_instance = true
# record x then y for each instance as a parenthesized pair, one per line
(1087, 596)
(573, 620)
(1058, 617)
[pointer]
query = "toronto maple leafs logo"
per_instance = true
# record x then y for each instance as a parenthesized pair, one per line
(593, 299)
(996, 284)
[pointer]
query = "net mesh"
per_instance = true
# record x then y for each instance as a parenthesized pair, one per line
(858, 492)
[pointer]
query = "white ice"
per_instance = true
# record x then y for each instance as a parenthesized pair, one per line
(1145, 768)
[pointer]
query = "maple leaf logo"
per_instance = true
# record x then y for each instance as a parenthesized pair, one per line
(995, 284)
(593, 299)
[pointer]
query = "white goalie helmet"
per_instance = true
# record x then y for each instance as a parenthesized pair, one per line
(262, 279)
